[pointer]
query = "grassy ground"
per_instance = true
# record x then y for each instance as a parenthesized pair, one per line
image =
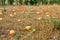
(37, 17)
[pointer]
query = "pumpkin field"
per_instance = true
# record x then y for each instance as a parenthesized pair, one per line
(30, 22)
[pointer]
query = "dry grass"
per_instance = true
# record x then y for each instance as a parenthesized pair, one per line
(33, 16)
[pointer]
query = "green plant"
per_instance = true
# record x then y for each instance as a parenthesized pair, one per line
(56, 23)
(54, 20)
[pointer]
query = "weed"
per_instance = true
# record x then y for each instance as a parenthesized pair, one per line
(54, 20)
(56, 23)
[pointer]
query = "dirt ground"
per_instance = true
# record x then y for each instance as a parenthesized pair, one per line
(33, 16)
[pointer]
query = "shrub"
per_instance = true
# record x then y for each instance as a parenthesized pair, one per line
(20, 2)
(26, 2)
(10, 2)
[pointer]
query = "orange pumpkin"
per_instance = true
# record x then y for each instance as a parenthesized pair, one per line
(12, 32)
(11, 15)
(1, 19)
(18, 20)
(28, 28)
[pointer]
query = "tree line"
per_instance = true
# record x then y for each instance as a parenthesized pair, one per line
(29, 2)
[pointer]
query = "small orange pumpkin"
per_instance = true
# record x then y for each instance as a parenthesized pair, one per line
(28, 28)
(1, 19)
(12, 32)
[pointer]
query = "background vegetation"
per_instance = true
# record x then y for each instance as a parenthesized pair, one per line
(29, 2)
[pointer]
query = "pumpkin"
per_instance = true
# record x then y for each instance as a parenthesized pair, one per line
(11, 15)
(14, 13)
(18, 20)
(1, 19)
(12, 32)
(0, 12)
(28, 28)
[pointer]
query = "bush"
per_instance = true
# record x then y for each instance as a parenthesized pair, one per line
(10, 2)
(21, 2)
(26, 2)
